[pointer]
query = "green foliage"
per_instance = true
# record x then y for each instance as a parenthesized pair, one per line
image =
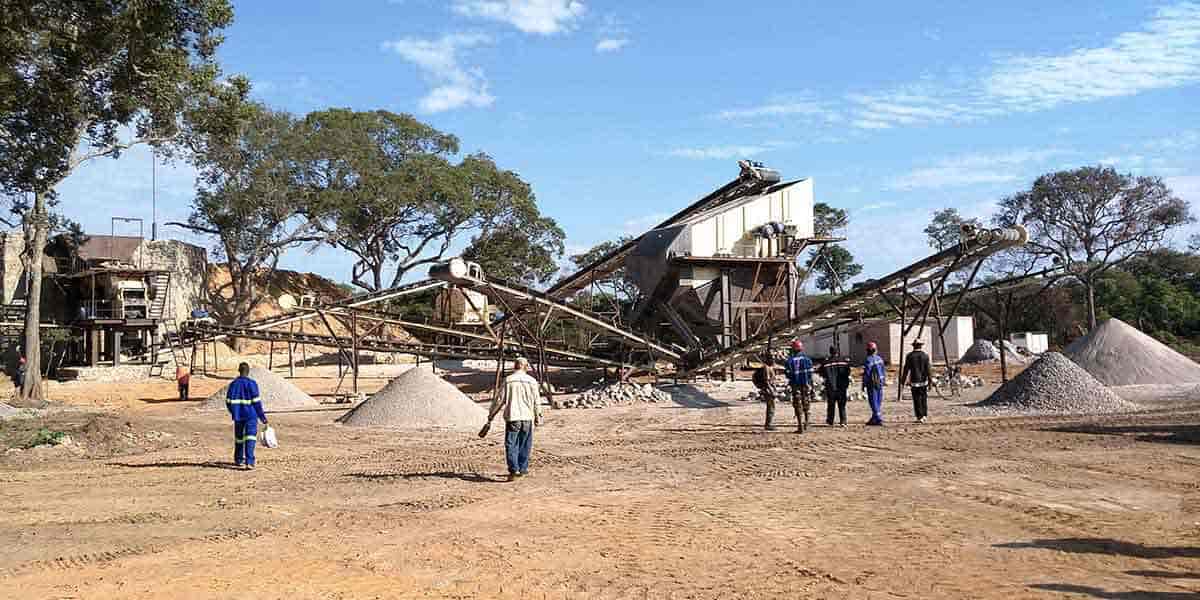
(613, 288)
(45, 437)
(834, 266)
(524, 255)
(828, 220)
(944, 228)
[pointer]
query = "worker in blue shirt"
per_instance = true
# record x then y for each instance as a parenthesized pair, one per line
(873, 379)
(247, 410)
(799, 369)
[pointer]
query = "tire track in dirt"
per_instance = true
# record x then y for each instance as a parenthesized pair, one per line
(80, 561)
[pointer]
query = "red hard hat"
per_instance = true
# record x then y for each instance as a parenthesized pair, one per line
(872, 346)
(22, 360)
(797, 345)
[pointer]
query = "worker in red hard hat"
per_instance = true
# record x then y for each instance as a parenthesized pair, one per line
(799, 370)
(874, 378)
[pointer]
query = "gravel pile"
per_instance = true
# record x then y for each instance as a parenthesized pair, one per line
(964, 382)
(1117, 353)
(8, 411)
(1055, 384)
(985, 351)
(418, 399)
(614, 393)
(276, 393)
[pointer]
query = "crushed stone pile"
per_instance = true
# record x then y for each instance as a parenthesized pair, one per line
(418, 399)
(985, 351)
(8, 411)
(622, 392)
(965, 382)
(1055, 384)
(1117, 353)
(276, 393)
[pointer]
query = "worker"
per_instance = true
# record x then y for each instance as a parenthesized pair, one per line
(916, 376)
(521, 401)
(799, 369)
(835, 370)
(873, 380)
(247, 410)
(183, 377)
(763, 381)
(21, 368)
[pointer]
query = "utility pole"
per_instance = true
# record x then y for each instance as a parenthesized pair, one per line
(153, 196)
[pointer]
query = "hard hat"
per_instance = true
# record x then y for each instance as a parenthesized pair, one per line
(797, 345)
(872, 346)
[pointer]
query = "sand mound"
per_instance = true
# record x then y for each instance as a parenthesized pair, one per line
(985, 351)
(1055, 384)
(418, 399)
(1117, 353)
(276, 392)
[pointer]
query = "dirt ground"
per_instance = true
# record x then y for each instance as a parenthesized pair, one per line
(689, 499)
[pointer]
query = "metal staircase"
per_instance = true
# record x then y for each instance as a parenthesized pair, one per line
(173, 339)
(160, 284)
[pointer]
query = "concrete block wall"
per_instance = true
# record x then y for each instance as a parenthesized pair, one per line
(188, 265)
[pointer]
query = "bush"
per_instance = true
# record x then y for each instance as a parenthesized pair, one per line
(45, 437)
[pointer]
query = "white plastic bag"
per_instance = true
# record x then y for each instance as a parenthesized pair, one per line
(269, 437)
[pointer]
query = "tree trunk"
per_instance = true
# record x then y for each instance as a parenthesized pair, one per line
(1090, 286)
(35, 242)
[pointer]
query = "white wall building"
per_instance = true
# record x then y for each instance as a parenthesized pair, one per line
(959, 336)
(1034, 342)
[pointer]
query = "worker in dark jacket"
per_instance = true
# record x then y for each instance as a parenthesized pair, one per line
(916, 376)
(766, 388)
(836, 373)
(799, 369)
(247, 410)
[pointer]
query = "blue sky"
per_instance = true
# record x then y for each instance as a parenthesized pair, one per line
(619, 113)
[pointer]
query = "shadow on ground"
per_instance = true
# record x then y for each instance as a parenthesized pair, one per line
(208, 464)
(1164, 574)
(470, 477)
(1164, 434)
(1106, 546)
(1095, 592)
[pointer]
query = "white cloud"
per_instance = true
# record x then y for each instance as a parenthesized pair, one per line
(718, 152)
(783, 106)
(455, 86)
(1165, 53)
(639, 225)
(875, 206)
(543, 17)
(611, 44)
(970, 169)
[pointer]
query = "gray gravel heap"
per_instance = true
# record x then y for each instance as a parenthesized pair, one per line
(418, 399)
(276, 393)
(985, 351)
(614, 393)
(1055, 384)
(1117, 353)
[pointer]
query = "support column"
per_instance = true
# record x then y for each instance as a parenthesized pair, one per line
(291, 349)
(792, 292)
(93, 347)
(116, 347)
(726, 316)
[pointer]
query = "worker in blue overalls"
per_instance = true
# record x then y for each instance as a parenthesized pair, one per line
(873, 379)
(247, 410)
(799, 369)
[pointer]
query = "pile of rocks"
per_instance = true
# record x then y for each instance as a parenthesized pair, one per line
(275, 392)
(622, 392)
(418, 400)
(964, 382)
(1055, 384)
(985, 351)
(1118, 354)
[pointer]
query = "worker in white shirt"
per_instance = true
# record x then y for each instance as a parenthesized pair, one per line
(520, 400)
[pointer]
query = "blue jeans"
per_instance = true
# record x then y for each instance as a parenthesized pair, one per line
(875, 399)
(245, 435)
(518, 441)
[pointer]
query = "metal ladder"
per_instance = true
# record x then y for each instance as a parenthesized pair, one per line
(161, 285)
(174, 341)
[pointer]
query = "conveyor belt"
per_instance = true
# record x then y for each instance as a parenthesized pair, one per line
(554, 356)
(847, 307)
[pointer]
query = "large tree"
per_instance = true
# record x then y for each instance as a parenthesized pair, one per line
(620, 290)
(82, 80)
(246, 197)
(384, 188)
(945, 228)
(828, 220)
(1092, 219)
